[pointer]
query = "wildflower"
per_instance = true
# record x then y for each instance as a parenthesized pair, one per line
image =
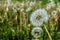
(37, 32)
(32, 3)
(54, 14)
(38, 17)
(50, 5)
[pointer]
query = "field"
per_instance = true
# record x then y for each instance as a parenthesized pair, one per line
(29, 19)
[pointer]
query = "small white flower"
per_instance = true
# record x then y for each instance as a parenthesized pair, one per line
(50, 5)
(28, 9)
(32, 3)
(54, 14)
(38, 17)
(37, 32)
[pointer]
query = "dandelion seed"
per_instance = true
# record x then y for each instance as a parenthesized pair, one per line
(37, 32)
(38, 17)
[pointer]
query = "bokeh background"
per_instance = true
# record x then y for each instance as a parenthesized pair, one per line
(15, 19)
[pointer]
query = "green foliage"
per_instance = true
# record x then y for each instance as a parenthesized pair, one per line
(20, 28)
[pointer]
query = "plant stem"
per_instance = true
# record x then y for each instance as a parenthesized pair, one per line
(48, 32)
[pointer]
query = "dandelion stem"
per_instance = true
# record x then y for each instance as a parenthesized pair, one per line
(47, 32)
(21, 25)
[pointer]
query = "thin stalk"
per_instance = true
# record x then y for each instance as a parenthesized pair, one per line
(26, 23)
(26, 18)
(21, 24)
(48, 32)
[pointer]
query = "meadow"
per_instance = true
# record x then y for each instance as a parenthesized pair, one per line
(29, 19)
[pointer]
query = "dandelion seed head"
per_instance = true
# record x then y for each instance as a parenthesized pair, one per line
(38, 17)
(37, 32)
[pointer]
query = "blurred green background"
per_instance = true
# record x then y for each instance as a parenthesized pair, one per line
(15, 25)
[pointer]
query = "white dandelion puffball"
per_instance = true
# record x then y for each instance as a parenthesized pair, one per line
(38, 17)
(37, 32)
